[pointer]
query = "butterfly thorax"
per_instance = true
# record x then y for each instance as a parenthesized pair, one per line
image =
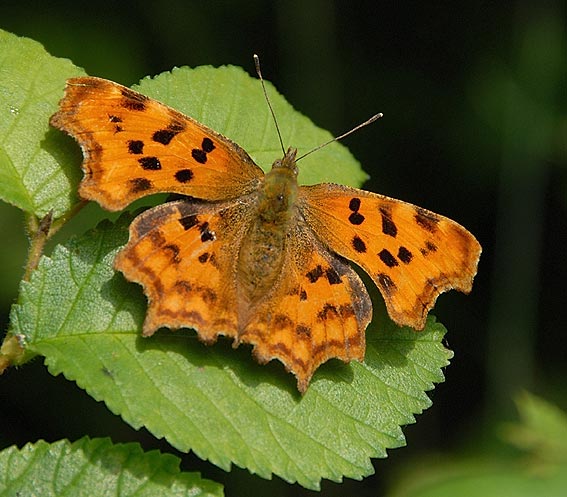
(261, 254)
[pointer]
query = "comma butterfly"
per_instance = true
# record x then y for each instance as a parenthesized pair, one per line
(255, 256)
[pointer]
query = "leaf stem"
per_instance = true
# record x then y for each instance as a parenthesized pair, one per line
(39, 234)
(41, 230)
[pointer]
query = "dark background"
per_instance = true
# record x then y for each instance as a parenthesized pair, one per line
(474, 99)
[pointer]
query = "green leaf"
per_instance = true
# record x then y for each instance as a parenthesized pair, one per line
(231, 102)
(96, 468)
(31, 84)
(85, 319)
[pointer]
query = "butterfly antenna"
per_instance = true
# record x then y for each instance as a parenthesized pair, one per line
(340, 137)
(259, 73)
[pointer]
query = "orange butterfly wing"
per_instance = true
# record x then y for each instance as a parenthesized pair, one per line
(184, 254)
(412, 254)
(135, 146)
(317, 310)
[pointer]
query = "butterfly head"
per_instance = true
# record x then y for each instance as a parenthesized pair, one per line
(287, 162)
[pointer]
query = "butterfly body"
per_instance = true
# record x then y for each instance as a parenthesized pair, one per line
(255, 256)
(261, 255)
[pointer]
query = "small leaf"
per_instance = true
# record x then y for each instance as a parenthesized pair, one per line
(481, 478)
(96, 468)
(85, 319)
(542, 431)
(31, 84)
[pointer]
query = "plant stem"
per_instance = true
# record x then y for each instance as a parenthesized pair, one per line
(41, 231)
(39, 234)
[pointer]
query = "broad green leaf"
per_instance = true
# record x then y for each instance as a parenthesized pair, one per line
(96, 468)
(231, 102)
(85, 319)
(31, 84)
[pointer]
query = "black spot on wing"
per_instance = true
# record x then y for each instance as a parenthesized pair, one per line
(358, 244)
(184, 175)
(386, 283)
(405, 255)
(116, 120)
(315, 274)
(206, 234)
(388, 226)
(188, 222)
(164, 136)
(429, 247)
(150, 163)
(199, 155)
(354, 204)
(138, 185)
(427, 220)
(135, 147)
(387, 258)
(207, 145)
(332, 276)
(355, 217)
(133, 100)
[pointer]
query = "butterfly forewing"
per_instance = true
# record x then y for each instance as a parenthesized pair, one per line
(135, 146)
(412, 254)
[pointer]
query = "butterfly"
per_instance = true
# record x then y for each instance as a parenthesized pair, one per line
(252, 256)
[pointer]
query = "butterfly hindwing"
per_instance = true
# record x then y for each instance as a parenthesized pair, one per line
(318, 310)
(183, 253)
